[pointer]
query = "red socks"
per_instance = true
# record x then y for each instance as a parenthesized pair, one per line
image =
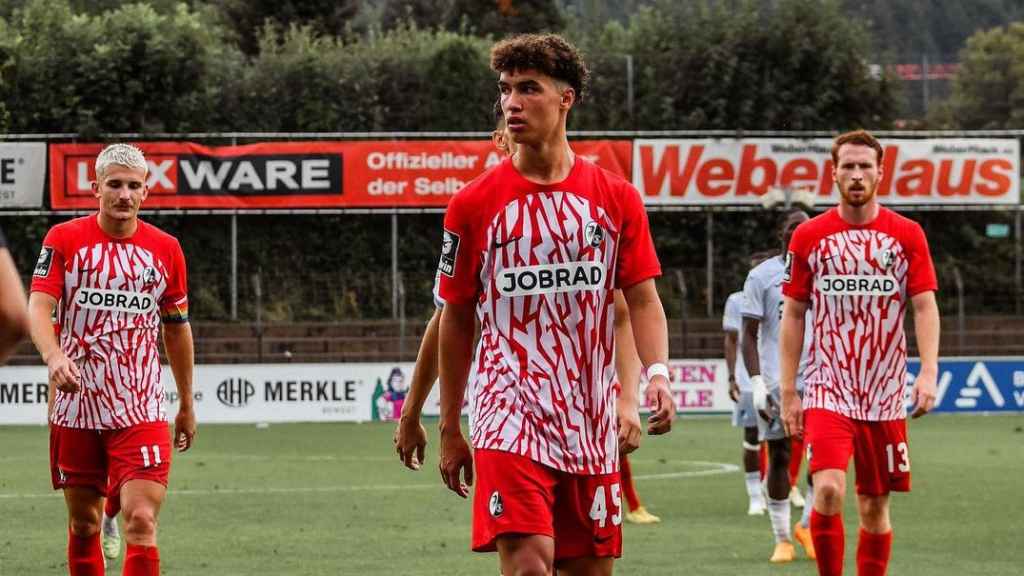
(796, 456)
(829, 541)
(141, 561)
(112, 506)
(628, 489)
(873, 553)
(85, 557)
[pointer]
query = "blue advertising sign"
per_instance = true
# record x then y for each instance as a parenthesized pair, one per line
(976, 384)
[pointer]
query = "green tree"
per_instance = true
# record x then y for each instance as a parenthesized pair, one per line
(6, 62)
(248, 17)
(718, 66)
(422, 13)
(906, 29)
(988, 90)
(405, 79)
(130, 69)
(499, 18)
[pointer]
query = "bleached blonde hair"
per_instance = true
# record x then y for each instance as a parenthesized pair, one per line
(121, 155)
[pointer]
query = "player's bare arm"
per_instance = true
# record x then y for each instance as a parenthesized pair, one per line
(64, 374)
(410, 437)
(180, 354)
(751, 332)
(13, 313)
(791, 342)
(730, 344)
(926, 327)
(650, 334)
(627, 369)
(455, 354)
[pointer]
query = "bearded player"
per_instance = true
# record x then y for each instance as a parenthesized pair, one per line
(858, 265)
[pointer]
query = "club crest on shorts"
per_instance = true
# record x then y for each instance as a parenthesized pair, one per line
(43, 264)
(495, 504)
(593, 234)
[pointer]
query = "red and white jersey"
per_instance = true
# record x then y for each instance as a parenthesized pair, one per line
(541, 263)
(858, 280)
(113, 293)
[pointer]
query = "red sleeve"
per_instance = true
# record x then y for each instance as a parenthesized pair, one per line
(48, 275)
(459, 266)
(921, 275)
(637, 259)
(174, 302)
(798, 279)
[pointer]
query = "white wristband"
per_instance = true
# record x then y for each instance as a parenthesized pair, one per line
(656, 369)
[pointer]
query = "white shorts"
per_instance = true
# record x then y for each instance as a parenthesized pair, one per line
(743, 413)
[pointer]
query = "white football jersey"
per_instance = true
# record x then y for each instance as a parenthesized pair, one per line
(732, 321)
(762, 300)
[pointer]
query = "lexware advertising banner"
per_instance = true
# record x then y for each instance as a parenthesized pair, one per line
(382, 174)
(22, 174)
(916, 172)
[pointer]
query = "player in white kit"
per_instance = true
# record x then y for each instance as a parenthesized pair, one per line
(743, 415)
(762, 310)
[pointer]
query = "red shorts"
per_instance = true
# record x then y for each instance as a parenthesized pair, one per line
(515, 495)
(880, 451)
(106, 459)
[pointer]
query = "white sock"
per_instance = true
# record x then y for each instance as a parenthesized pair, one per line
(109, 525)
(805, 520)
(778, 511)
(753, 480)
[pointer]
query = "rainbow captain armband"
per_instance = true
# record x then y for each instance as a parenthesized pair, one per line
(656, 369)
(174, 312)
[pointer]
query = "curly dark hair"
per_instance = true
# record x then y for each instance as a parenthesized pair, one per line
(549, 54)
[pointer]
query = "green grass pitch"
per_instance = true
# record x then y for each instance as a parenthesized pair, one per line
(316, 499)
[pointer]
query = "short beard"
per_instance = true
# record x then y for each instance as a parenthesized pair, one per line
(865, 197)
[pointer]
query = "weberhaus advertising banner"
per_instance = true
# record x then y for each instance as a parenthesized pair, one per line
(948, 171)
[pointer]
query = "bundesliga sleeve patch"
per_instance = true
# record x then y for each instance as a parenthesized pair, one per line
(43, 264)
(788, 270)
(449, 252)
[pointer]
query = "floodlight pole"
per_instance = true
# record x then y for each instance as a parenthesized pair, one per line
(961, 321)
(234, 257)
(711, 263)
(629, 89)
(234, 266)
(394, 265)
(1017, 260)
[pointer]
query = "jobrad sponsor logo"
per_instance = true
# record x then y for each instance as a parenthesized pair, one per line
(857, 285)
(115, 300)
(551, 278)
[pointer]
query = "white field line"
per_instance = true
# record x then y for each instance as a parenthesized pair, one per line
(712, 468)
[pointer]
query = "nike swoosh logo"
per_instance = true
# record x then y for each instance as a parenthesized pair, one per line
(506, 243)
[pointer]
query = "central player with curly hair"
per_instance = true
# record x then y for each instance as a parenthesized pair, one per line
(535, 247)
